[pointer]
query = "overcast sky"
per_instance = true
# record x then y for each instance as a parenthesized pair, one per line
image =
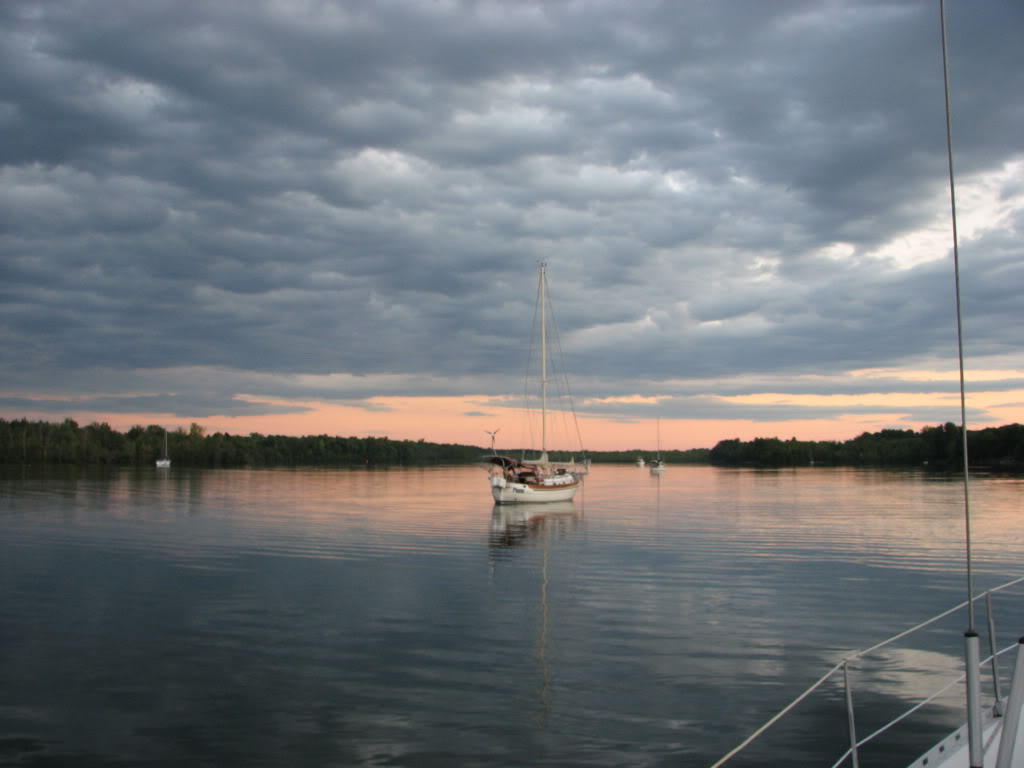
(241, 210)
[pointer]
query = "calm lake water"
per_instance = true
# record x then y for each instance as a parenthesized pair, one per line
(396, 617)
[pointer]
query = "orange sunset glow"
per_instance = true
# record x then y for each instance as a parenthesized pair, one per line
(464, 420)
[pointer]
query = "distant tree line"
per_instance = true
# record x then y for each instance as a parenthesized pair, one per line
(40, 442)
(31, 442)
(940, 447)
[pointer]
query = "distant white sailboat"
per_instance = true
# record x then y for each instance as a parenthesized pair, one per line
(165, 462)
(640, 461)
(540, 480)
(658, 465)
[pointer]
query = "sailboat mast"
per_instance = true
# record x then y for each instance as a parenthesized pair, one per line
(543, 367)
(959, 316)
(971, 641)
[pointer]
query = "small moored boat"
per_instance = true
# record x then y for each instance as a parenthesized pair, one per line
(165, 462)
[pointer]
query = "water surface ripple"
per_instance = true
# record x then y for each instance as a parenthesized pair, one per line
(397, 617)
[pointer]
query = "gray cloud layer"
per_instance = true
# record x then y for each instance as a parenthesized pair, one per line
(258, 189)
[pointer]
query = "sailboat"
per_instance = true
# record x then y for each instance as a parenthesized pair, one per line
(165, 462)
(658, 465)
(539, 480)
(639, 461)
(992, 735)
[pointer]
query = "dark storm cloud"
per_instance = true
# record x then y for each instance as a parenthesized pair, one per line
(262, 189)
(192, 406)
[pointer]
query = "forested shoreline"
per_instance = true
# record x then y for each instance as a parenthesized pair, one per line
(939, 447)
(40, 442)
(67, 443)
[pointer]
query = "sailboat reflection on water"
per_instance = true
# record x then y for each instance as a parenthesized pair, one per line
(513, 528)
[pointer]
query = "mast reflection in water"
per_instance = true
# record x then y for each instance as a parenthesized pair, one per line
(520, 525)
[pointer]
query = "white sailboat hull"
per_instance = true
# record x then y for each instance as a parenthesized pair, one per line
(511, 492)
(953, 752)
